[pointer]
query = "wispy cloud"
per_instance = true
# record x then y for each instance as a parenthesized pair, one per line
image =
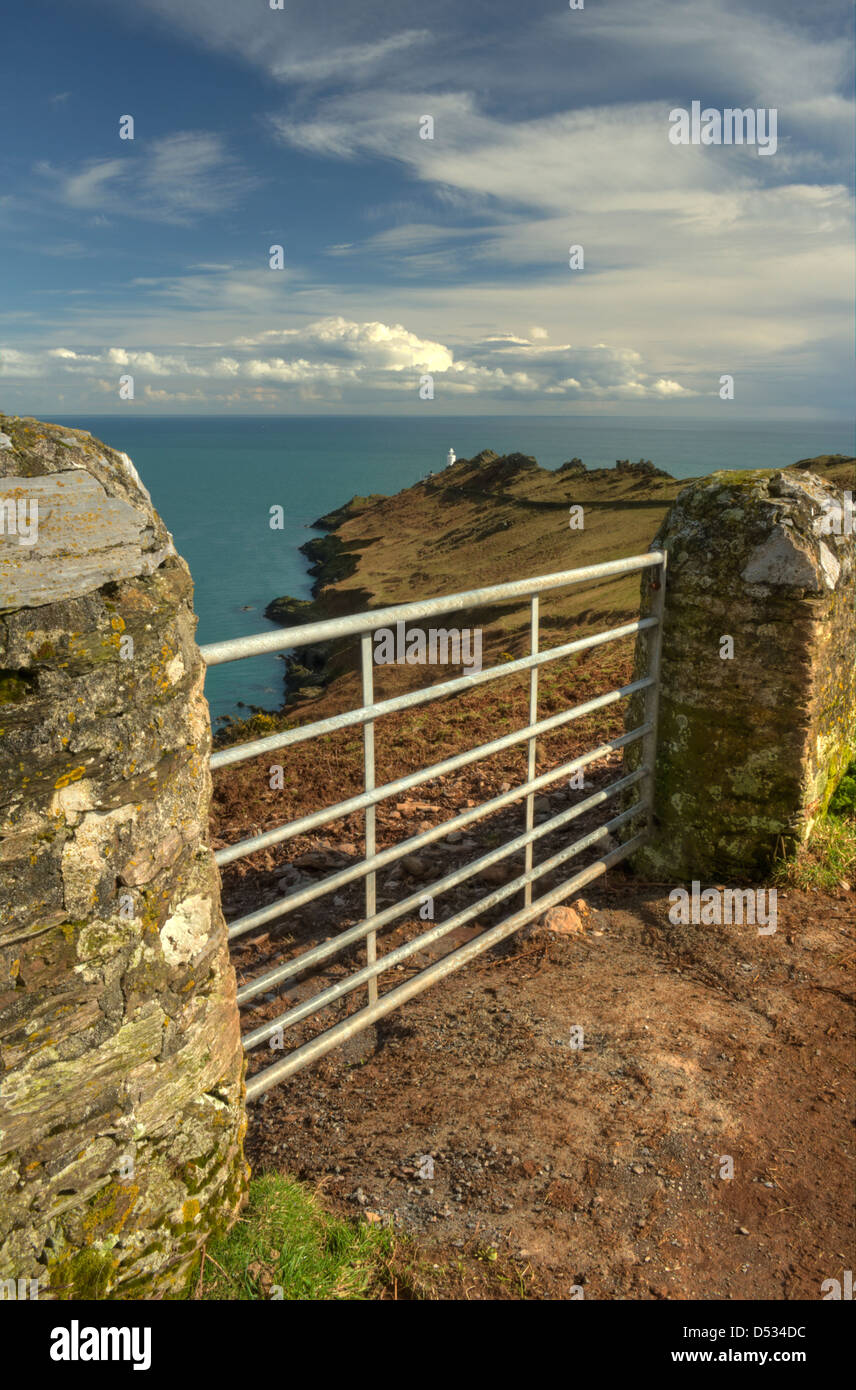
(176, 178)
(550, 129)
(351, 60)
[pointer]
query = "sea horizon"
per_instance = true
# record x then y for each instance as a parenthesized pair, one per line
(214, 480)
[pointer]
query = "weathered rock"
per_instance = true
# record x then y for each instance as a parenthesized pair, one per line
(643, 469)
(750, 746)
(121, 1090)
(562, 921)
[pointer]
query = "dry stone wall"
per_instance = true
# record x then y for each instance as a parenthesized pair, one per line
(754, 735)
(121, 1076)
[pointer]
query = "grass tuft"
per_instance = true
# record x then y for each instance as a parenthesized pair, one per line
(828, 860)
(285, 1245)
(843, 802)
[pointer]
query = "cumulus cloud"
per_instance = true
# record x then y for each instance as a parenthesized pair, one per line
(550, 129)
(355, 359)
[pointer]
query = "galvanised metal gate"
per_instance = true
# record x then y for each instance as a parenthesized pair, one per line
(363, 625)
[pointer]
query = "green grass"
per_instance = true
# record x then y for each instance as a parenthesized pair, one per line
(285, 1245)
(829, 857)
(844, 801)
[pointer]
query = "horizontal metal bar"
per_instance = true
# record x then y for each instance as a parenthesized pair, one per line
(365, 714)
(392, 958)
(418, 943)
(394, 998)
(416, 779)
(291, 901)
(215, 653)
(298, 964)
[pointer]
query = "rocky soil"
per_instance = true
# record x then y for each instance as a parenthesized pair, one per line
(472, 1120)
(593, 1167)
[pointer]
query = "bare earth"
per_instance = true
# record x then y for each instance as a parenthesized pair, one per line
(555, 1169)
(599, 1167)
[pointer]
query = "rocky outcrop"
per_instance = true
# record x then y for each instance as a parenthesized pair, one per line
(121, 1090)
(757, 711)
(329, 560)
(643, 469)
(498, 472)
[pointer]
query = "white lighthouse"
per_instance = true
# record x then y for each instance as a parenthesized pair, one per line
(450, 458)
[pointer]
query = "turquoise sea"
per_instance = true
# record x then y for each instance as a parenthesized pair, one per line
(215, 478)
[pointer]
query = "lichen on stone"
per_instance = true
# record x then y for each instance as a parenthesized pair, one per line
(117, 999)
(750, 748)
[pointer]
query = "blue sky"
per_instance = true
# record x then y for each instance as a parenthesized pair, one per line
(407, 257)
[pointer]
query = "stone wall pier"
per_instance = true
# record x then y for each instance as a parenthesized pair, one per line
(121, 1073)
(757, 705)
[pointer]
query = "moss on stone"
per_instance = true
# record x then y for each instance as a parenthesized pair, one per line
(16, 686)
(749, 748)
(101, 761)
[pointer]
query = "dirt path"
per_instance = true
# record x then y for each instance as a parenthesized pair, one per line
(600, 1167)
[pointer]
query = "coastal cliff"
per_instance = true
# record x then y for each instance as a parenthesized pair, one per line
(483, 521)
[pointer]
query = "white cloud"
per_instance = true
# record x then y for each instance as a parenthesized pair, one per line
(550, 128)
(357, 60)
(306, 42)
(709, 254)
(13, 364)
(738, 45)
(355, 358)
(176, 178)
(89, 186)
(152, 393)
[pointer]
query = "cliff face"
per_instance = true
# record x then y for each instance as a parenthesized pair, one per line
(448, 532)
(121, 1094)
(489, 519)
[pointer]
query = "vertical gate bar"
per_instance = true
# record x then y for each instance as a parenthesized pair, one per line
(533, 715)
(652, 694)
(366, 661)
